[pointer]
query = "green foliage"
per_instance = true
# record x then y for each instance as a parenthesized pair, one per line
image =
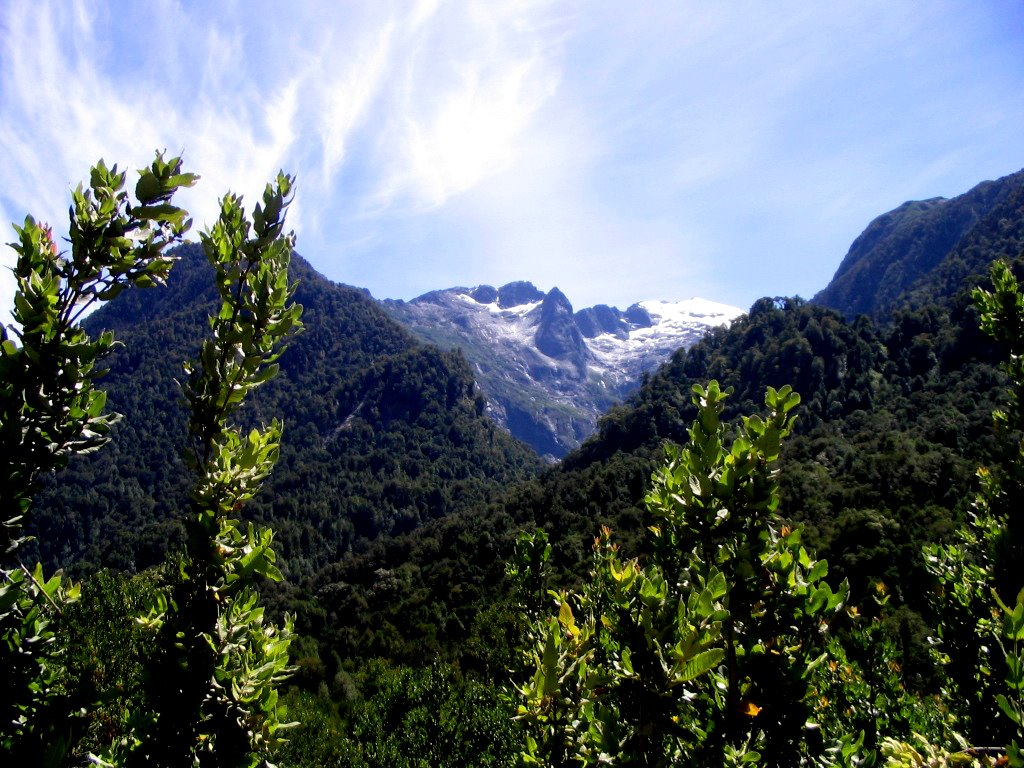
(30, 701)
(614, 681)
(218, 659)
(700, 636)
(705, 654)
(999, 503)
(980, 567)
(50, 406)
(435, 591)
(881, 461)
(1011, 643)
(105, 656)
(403, 717)
(51, 410)
(868, 684)
(387, 439)
(384, 435)
(211, 692)
(721, 508)
(918, 751)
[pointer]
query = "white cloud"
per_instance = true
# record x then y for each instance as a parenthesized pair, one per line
(467, 80)
(348, 96)
(432, 94)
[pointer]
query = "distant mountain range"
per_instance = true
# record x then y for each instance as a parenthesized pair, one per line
(546, 371)
(894, 420)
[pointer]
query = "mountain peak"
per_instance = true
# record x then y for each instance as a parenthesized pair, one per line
(546, 371)
(484, 294)
(593, 321)
(518, 293)
(557, 334)
(925, 249)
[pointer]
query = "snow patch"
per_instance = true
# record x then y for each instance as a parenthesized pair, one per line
(690, 311)
(520, 310)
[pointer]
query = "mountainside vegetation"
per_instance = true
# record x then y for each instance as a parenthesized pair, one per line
(207, 695)
(926, 251)
(882, 457)
(382, 433)
(880, 463)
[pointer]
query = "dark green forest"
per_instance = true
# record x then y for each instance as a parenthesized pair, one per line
(383, 433)
(780, 550)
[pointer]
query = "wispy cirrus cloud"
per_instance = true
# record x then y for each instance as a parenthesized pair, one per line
(467, 86)
(410, 102)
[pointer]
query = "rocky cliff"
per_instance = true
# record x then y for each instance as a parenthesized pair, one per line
(546, 370)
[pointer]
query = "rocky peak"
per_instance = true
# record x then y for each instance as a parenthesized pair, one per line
(548, 372)
(593, 321)
(485, 294)
(639, 317)
(557, 335)
(516, 294)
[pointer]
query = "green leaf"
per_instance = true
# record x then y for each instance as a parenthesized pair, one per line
(1008, 709)
(699, 664)
(819, 599)
(567, 620)
(818, 572)
(1014, 625)
(148, 188)
(804, 558)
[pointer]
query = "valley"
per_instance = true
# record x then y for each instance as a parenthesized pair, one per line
(401, 494)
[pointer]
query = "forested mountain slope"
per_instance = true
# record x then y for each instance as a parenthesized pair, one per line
(923, 251)
(380, 432)
(397, 502)
(892, 426)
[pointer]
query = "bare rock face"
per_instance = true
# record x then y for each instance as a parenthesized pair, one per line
(557, 335)
(484, 294)
(547, 372)
(594, 321)
(518, 293)
(638, 316)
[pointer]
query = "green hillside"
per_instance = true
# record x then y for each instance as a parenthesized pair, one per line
(892, 426)
(924, 251)
(381, 433)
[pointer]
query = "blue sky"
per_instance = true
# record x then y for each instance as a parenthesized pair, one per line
(621, 151)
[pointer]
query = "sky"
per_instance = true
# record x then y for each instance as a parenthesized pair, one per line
(619, 151)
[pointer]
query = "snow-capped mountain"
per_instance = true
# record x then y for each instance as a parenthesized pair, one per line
(549, 372)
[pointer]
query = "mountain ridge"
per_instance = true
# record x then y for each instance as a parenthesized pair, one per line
(924, 250)
(548, 371)
(895, 419)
